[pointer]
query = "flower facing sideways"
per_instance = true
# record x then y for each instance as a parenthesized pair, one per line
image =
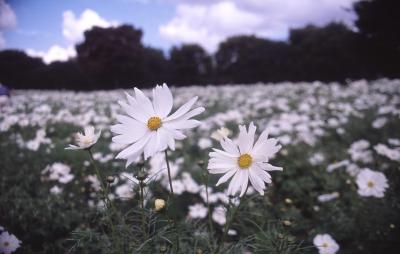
(85, 140)
(149, 127)
(325, 244)
(371, 183)
(245, 160)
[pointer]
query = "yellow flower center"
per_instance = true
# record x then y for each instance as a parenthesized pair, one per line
(245, 161)
(154, 123)
(87, 140)
(370, 184)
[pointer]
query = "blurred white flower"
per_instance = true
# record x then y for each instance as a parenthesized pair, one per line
(58, 172)
(219, 215)
(371, 183)
(221, 133)
(245, 160)
(325, 244)
(149, 128)
(393, 154)
(197, 211)
(204, 143)
(85, 140)
(8, 243)
(55, 190)
(328, 197)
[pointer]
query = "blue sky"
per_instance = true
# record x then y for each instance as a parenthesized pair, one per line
(50, 28)
(39, 22)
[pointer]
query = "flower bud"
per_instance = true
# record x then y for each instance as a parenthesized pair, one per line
(110, 179)
(159, 204)
(141, 176)
(287, 223)
(200, 163)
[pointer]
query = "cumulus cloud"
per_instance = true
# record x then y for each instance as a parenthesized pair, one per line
(7, 20)
(210, 22)
(73, 28)
(54, 53)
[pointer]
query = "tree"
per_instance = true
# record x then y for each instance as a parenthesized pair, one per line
(247, 59)
(325, 53)
(115, 57)
(190, 64)
(16, 68)
(378, 22)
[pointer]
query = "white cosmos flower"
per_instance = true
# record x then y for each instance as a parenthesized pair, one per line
(245, 160)
(371, 183)
(85, 140)
(8, 243)
(325, 244)
(149, 127)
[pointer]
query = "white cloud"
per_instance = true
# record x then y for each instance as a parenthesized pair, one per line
(7, 16)
(73, 27)
(72, 30)
(54, 53)
(7, 20)
(210, 22)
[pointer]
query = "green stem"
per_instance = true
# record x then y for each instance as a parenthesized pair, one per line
(143, 211)
(210, 224)
(105, 192)
(169, 174)
(172, 195)
(231, 219)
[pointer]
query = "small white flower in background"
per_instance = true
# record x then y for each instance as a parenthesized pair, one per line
(85, 140)
(197, 211)
(149, 128)
(55, 190)
(219, 215)
(232, 232)
(245, 160)
(57, 172)
(8, 243)
(379, 122)
(221, 133)
(325, 244)
(204, 143)
(393, 154)
(328, 197)
(371, 183)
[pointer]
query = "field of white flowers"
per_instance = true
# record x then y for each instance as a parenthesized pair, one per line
(339, 191)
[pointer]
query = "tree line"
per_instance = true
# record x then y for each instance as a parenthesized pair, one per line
(110, 58)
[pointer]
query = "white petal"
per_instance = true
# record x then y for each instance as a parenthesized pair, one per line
(245, 181)
(246, 139)
(235, 183)
(144, 102)
(162, 100)
(134, 148)
(257, 183)
(182, 110)
(226, 177)
(184, 124)
(136, 113)
(229, 146)
(151, 147)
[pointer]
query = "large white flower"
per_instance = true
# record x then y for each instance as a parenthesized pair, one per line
(245, 160)
(85, 140)
(8, 243)
(325, 244)
(371, 183)
(149, 128)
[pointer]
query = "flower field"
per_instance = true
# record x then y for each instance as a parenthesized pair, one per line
(338, 192)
